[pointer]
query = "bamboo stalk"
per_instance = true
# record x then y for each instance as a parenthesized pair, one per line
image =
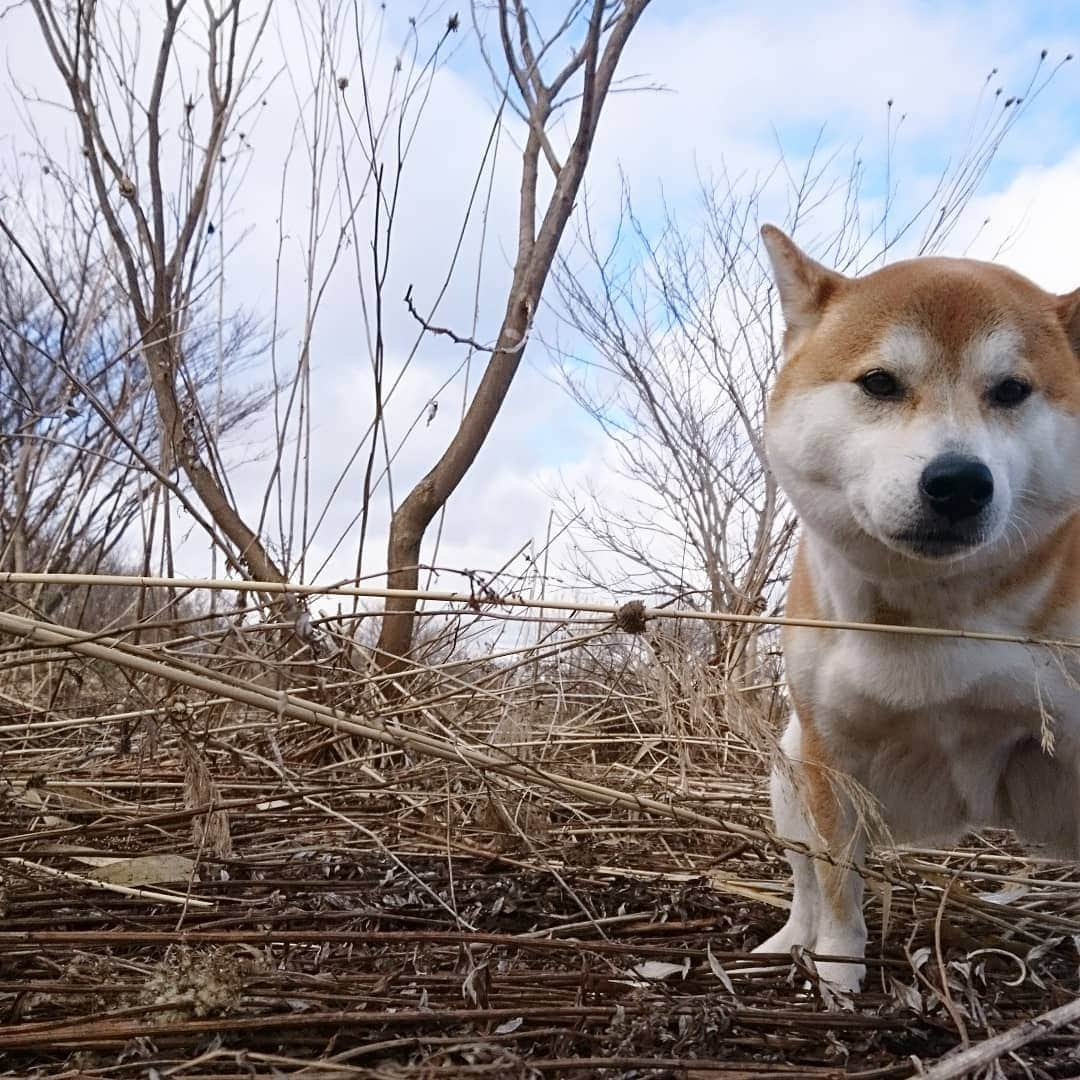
(969, 1062)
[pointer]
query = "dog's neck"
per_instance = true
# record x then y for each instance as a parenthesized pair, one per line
(1003, 590)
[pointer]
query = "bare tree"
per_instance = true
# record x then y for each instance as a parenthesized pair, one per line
(678, 344)
(677, 355)
(77, 431)
(154, 155)
(540, 97)
(157, 231)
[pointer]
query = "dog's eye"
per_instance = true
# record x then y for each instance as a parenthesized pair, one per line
(1010, 392)
(881, 384)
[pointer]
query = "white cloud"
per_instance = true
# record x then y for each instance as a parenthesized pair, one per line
(735, 73)
(1034, 225)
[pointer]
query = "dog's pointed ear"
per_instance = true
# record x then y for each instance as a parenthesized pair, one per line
(805, 286)
(1068, 307)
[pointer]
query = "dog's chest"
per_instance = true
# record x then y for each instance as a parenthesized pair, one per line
(866, 672)
(950, 733)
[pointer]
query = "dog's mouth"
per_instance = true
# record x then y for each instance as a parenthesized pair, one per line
(931, 543)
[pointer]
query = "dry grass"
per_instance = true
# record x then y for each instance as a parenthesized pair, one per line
(224, 859)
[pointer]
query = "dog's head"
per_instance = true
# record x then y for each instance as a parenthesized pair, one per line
(929, 410)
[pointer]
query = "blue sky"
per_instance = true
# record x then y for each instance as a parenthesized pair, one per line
(740, 79)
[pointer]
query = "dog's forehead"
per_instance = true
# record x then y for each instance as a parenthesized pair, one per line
(951, 316)
(970, 312)
(957, 319)
(916, 351)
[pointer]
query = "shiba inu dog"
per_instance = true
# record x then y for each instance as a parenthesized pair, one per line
(925, 425)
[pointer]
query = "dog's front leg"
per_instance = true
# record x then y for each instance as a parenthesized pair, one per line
(841, 925)
(809, 806)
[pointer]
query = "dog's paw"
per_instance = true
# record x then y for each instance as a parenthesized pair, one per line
(847, 978)
(783, 941)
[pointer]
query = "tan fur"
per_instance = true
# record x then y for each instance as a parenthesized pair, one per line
(955, 300)
(1059, 562)
(816, 757)
(1069, 313)
(836, 330)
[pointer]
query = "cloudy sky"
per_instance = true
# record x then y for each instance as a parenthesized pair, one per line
(718, 87)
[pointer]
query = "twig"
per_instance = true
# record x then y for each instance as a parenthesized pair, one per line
(108, 886)
(969, 1062)
(515, 601)
(311, 712)
(457, 338)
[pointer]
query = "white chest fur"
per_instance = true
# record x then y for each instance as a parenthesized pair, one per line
(948, 734)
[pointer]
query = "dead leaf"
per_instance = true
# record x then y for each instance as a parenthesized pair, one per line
(919, 957)
(146, 870)
(657, 970)
(717, 969)
(1006, 895)
(906, 995)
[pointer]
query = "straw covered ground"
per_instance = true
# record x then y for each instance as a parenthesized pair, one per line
(551, 862)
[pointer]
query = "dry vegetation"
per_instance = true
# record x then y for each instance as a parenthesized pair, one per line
(548, 862)
(252, 829)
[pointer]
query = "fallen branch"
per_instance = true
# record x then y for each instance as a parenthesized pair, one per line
(969, 1062)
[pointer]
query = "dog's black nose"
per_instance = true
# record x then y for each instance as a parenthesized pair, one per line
(957, 486)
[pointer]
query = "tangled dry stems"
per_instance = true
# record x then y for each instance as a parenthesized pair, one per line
(222, 858)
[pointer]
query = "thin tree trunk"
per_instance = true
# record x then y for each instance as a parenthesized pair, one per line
(532, 266)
